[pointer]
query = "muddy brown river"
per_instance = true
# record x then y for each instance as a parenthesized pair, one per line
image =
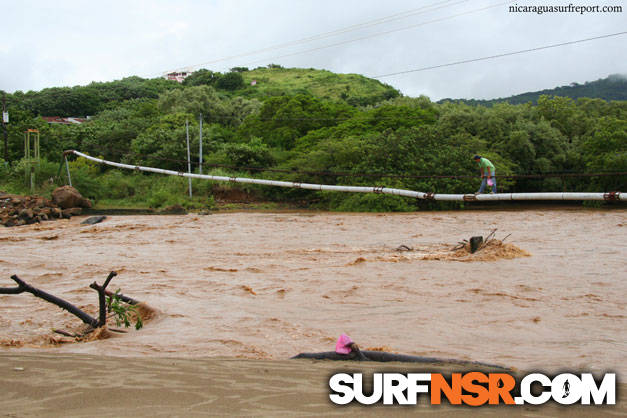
(272, 285)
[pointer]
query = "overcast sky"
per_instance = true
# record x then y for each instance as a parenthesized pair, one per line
(66, 43)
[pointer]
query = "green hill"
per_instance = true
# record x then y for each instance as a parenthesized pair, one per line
(354, 89)
(614, 87)
(271, 81)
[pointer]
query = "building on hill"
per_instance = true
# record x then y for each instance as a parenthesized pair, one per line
(177, 75)
(64, 121)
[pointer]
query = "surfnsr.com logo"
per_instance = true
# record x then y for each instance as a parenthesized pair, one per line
(473, 389)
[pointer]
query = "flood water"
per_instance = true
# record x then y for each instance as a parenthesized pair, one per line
(272, 285)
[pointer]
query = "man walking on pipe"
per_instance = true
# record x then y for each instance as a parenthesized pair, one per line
(487, 173)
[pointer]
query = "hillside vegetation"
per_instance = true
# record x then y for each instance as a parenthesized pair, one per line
(312, 126)
(614, 87)
(355, 89)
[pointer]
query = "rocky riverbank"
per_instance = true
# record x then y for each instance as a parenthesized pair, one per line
(16, 210)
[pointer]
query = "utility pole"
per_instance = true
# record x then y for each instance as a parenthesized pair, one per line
(200, 151)
(189, 161)
(5, 120)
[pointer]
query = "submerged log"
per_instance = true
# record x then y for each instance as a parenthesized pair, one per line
(384, 357)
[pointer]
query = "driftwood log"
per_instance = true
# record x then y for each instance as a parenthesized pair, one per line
(23, 287)
(383, 356)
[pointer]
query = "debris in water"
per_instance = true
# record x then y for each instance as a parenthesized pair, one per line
(358, 260)
(475, 243)
(492, 251)
(248, 289)
(93, 220)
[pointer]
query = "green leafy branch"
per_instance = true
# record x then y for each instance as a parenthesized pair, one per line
(123, 312)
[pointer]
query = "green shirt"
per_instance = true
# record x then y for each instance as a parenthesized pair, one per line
(484, 163)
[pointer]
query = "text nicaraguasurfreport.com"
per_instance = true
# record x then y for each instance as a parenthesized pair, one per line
(570, 8)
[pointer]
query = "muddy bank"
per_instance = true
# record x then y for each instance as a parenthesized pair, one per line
(78, 385)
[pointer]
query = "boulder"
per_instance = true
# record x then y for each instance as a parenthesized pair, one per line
(68, 213)
(25, 210)
(56, 212)
(68, 197)
(26, 214)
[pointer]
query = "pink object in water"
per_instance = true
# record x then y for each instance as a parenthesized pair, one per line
(490, 182)
(341, 344)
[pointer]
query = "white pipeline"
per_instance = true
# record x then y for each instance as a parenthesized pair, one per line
(376, 189)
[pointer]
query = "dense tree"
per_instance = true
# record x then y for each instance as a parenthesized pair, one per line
(230, 81)
(90, 99)
(281, 120)
(605, 150)
(202, 77)
(315, 134)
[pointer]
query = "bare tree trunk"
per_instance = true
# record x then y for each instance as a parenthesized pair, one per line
(102, 321)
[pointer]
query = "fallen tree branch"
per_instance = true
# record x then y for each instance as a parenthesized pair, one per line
(11, 290)
(487, 239)
(25, 287)
(461, 244)
(122, 297)
(102, 317)
(65, 333)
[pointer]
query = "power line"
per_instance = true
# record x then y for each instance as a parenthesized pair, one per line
(375, 22)
(500, 55)
(382, 33)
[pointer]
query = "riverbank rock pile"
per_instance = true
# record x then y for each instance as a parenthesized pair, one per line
(16, 210)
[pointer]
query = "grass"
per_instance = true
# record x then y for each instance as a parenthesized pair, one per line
(261, 206)
(320, 83)
(120, 204)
